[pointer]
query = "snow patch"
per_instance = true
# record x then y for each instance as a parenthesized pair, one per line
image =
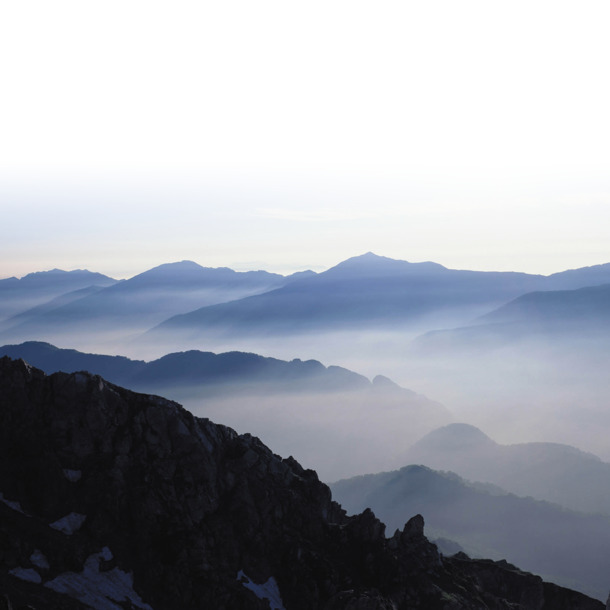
(73, 475)
(69, 524)
(110, 590)
(11, 504)
(39, 560)
(28, 574)
(267, 590)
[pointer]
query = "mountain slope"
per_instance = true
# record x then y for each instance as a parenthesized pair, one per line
(564, 546)
(368, 289)
(579, 278)
(113, 499)
(372, 292)
(17, 295)
(568, 308)
(144, 300)
(546, 471)
(209, 372)
(576, 316)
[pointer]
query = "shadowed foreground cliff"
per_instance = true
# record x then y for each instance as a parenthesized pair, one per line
(112, 499)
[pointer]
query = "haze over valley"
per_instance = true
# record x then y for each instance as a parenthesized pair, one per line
(368, 367)
(463, 338)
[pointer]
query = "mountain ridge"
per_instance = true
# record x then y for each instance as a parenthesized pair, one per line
(114, 499)
(565, 546)
(553, 472)
(366, 289)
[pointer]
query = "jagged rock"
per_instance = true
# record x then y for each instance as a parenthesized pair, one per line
(160, 509)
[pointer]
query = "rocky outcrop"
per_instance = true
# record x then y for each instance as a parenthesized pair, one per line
(112, 499)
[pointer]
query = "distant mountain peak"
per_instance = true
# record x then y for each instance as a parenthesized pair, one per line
(384, 382)
(457, 435)
(177, 265)
(371, 263)
(58, 272)
(372, 256)
(191, 269)
(186, 263)
(369, 257)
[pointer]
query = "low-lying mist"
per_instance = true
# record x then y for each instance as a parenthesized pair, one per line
(531, 388)
(338, 434)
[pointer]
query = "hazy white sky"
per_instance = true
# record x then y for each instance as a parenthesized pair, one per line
(286, 135)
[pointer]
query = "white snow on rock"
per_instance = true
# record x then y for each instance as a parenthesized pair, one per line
(72, 475)
(39, 560)
(267, 590)
(11, 504)
(108, 590)
(69, 524)
(28, 574)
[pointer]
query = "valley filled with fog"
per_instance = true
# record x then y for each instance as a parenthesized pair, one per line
(400, 371)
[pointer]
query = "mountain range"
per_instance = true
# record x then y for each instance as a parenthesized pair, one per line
(553, 472)
(210, 373)
(522, 353)
(580, 316)
(136, 304)
(563, 546)
(190, 303)
(373, 291)
(17, 295)
(362, 314)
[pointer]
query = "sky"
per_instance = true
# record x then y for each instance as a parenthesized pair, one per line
(294, 135)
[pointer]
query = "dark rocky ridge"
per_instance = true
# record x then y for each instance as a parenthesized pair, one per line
(210, 372)
(569, 548)
(108, 494)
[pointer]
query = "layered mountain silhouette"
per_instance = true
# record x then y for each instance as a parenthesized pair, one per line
(369, 289)
(316, 413)
(572, 279)
(374, 292)
(232, 372)
(192, 302)
(111, 499)
(499, 367)
(18, 295)
(580, 315)
(562, 545)
(546, 471)
(555, 309)
(136, 304)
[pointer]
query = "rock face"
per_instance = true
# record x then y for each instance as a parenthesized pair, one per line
(112, 499)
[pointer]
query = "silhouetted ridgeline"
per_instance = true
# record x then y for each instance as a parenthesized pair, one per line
(135, 304)
(112, 499)
(561, 318)
(547, 471)
(303, 408)
(376, 292)
(34, 289)
(570, 548)
(205, 370)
